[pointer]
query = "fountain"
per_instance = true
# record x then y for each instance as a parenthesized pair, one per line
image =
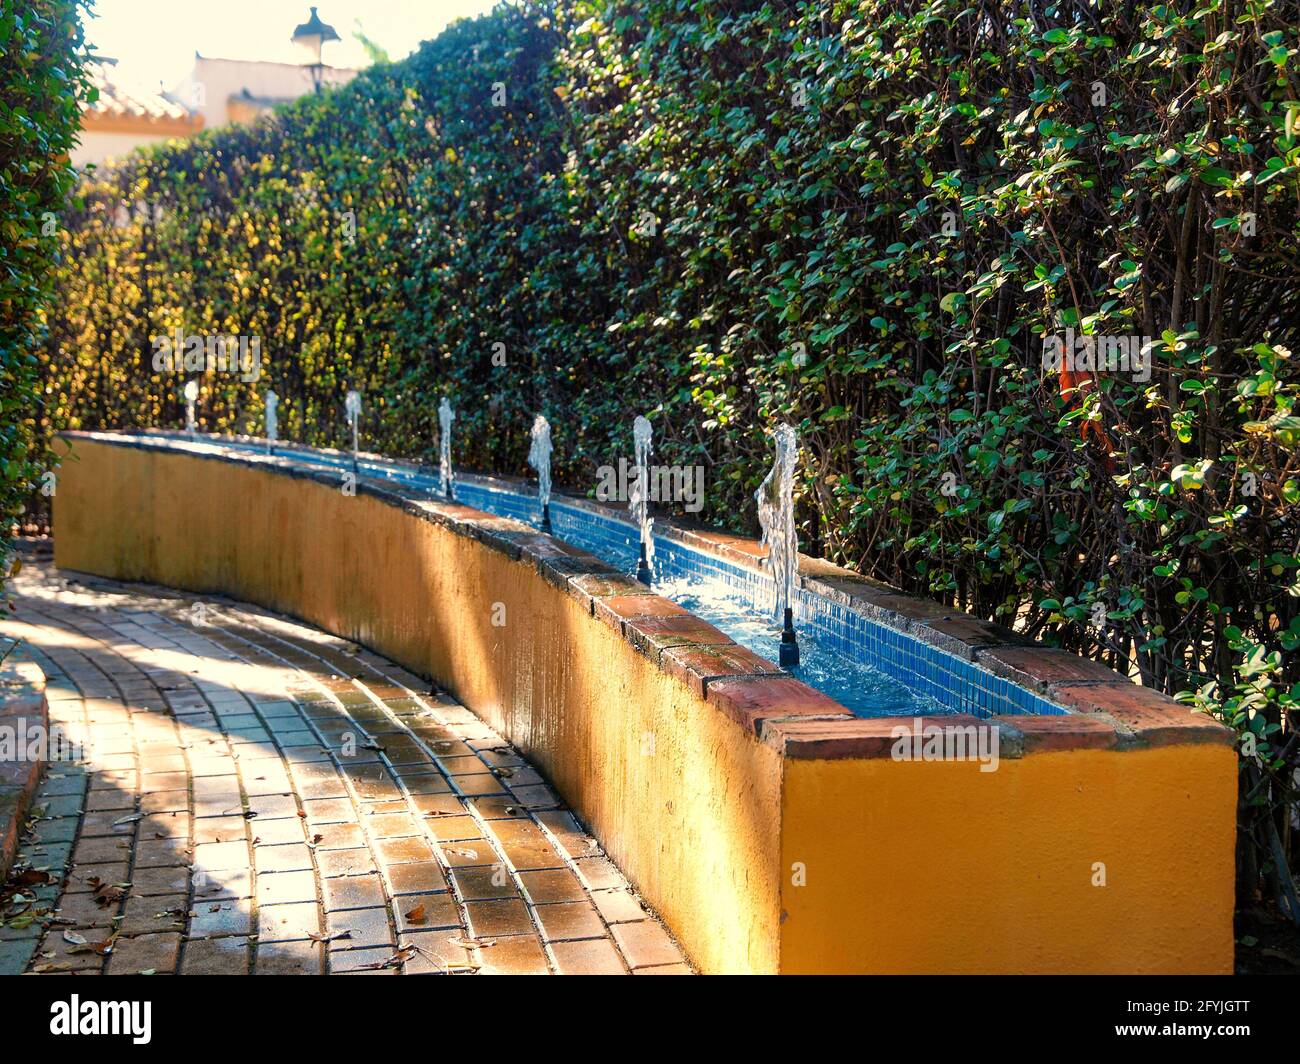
(835, 654)
(639, 502)
(191, 393)
(445, 417)
(539, 457)
(272, 421)
(775, 498)
(352, 405)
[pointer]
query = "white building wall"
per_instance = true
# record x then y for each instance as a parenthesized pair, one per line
(214, 81)
(99, 147)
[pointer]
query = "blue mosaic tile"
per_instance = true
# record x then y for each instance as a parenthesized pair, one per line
(957, 685)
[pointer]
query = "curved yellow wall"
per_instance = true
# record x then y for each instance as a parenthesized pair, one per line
(910, 867)
(1002, 868)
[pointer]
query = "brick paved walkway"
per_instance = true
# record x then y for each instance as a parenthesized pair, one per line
(258, 796)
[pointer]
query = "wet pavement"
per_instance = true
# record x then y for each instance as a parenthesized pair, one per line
(252, 795)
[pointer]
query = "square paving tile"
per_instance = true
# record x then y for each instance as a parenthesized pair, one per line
(495, 919)
(220, 856)
(145, 953)
(355, 862)
(329, 810)
(336, 836)
(295, 857)
(404, 851)
(545, 886)
(217, 956)
(591, 957)
(353, 892)
(484, 883)
(219, 918)
(436, 952)
(645, 944)
(415, 878)
(228, 883)
(365, 927)
(275, 888)
(425, 912)
(276, 832)
(289, 958)
(521, 955)
(285, 923)
(569, 920)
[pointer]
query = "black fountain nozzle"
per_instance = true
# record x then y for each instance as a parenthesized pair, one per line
(643, 567)
(789, 642)
(546, 518)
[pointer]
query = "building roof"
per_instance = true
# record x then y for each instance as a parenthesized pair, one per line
(121, 99)
(200, 60)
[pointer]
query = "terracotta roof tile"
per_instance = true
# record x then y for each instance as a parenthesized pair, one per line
(119, 97)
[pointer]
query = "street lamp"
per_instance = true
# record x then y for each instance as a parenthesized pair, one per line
(314, 35)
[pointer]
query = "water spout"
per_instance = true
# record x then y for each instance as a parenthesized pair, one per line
(775, 498)
(272, 420)
(191, 393)
(352, 405)
(539, 457)
(639, 502)
(445, 417)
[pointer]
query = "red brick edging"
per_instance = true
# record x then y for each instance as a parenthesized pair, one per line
(22, 707)
(1106, 708)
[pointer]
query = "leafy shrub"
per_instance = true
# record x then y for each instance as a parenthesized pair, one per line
(865, 218)
(40, 83)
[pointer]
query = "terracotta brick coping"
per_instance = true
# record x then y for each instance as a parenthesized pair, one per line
(22, 706)
(1105, 710)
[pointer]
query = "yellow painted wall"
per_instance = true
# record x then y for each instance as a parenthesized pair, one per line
(911, 867)
(938, 867)
(684, 801)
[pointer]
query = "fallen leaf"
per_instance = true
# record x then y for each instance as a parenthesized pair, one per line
(472, 943)
(105, 893)
(74, 938)
(416, 915)
(102, 948)
(399, 957)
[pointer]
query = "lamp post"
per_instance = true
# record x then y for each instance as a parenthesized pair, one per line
(314, 35)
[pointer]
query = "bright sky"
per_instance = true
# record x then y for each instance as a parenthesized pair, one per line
(155, 40)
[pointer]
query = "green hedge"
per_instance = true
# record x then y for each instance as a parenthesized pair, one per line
(862, 217)
(40, 83)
